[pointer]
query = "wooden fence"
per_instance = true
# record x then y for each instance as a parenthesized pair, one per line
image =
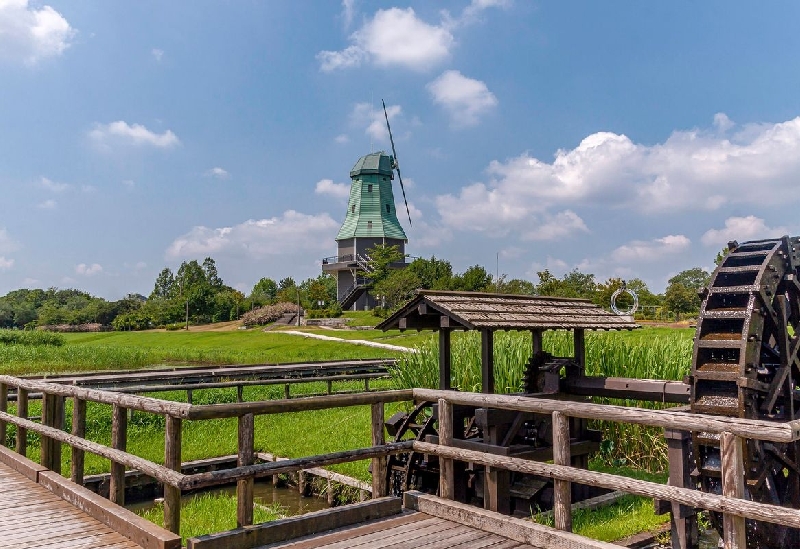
(732, 431)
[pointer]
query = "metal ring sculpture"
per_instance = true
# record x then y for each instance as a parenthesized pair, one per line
(624, 290)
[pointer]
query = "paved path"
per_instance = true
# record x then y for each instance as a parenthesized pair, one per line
(353, 341)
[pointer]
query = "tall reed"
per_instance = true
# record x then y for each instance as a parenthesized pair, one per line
(642, 354)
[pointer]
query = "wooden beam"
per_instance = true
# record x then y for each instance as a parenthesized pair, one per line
(3, 408)
(445, 359)
(172, 459)
(380, 476)
(22, 411)
(78, 430)
(119, 441)
(422, 309)
(734, 534)
(519, 530)
(579, 342)
(244, 486)
(298, 526)
(536, 341)
(747, 428)
(487, 361)
(562, 496)
(446, 473)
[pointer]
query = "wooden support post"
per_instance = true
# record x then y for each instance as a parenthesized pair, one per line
(683, 519)
(78, 430)
(58, 423)
(22, 411)
(331, 498)
(446, 473)
(46, 451)
(119, 441)
(366, 385)
(3, 408)
(302, 485)
(275, 478)
(244, 487)
(562, 496)
(536, 341)
(189, 399)
(579, 342)
(380, 481)
(172, 459)
(487, 361)
(330, 386)
(286, 393)
(445, 359)
(497, 481)
(734, 534)
(52, 416)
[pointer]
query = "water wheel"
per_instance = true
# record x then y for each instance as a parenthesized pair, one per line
(745, 365)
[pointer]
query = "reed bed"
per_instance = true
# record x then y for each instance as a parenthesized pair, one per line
(647, 354)
(31, 338)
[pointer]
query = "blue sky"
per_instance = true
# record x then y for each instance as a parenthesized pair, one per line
(626, 139)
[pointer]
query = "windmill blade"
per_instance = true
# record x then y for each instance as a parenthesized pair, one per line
(396, 163)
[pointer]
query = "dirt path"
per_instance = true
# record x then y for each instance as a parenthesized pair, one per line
(353, 341)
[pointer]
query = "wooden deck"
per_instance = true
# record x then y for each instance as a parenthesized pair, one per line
(411, 530)
(32, 516)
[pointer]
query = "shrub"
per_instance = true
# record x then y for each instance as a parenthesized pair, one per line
(268, 314)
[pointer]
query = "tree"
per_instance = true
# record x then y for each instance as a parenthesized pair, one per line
(397, 288)
(515, 286)
(165, 285)
(264, 292)
(474, 279)
(433, 274)
(574, 284)
(680, 299)
(695, 278)
(212, 276)
(381, 258)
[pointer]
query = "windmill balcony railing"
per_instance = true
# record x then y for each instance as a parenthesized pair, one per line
(351, 258)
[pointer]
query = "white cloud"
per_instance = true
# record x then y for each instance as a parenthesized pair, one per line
(348, 11)
(690, 171)
(342, 139)
(122, 132)
(30, 282)
(465, 99)
(217, 173)
(393, 37)
(47, 205)
(561, 225)
(30, 34)
(52, 186)
(651, 250)
(327, 186)
(741, 229)
(129, 183)
(7, 244)
(473, 11)
(364, 114)
(88, 270)
(292, 232)
(722, 122)
(6, 264)
(158, 54)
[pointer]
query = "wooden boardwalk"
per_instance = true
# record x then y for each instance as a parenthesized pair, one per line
(32, 516)
(411, 530)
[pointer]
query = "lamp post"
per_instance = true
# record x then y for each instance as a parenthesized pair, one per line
(298, 306)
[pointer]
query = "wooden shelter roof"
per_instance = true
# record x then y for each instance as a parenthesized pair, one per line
(432, 310)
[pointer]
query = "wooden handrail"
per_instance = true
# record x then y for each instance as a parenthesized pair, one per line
(685, 421)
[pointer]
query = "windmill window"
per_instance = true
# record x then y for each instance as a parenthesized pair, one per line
(388, 209)
(369, 224)
(369, 188)
(353, 208)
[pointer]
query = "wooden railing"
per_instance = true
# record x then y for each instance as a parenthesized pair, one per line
(732, 431)
(53, 435)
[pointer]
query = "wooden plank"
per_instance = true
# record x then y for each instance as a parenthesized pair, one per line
(519, 530)
(413, 534)
(734, 534)
(445, 359)
(244, 486)
(22, 411)
(78, 430)
(380, 477)
(172, 459)
(46, 448)
(21, 464)
(137, 529)
(218, 411)
(685, 496)
(295, 527)
(119, 441)
(562, 489)
(446, 473)
(487, 361)
(747, 428)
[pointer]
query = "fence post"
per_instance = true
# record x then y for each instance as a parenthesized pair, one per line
(244, 487)
(562, 497)
(22, 411)
(734, 534)
(172, 459)
(51, 449)
(446, 472)
(119, 441)
(58, 423)
(380, 482)
(3, 408)
(79, 430)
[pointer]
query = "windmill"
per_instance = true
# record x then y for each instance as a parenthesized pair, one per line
(370, 220)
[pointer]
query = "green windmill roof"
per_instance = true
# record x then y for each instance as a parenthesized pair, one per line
(371, 214)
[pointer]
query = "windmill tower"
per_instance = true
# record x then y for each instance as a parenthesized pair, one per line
(371, 220)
